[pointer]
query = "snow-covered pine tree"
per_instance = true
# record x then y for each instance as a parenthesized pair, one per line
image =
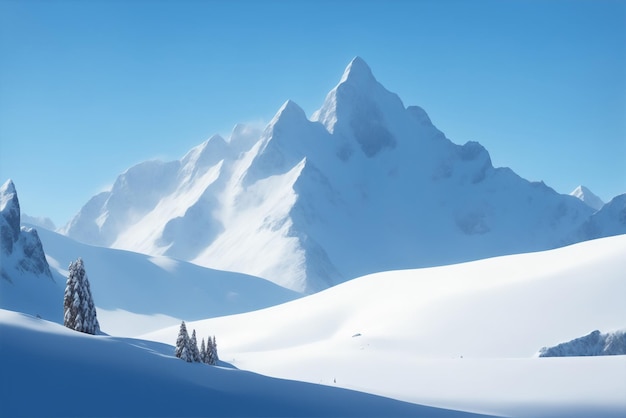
(211, 351)
(215, 356)
(79, 309)
(182, 343)
(193, 347)
(203, 357)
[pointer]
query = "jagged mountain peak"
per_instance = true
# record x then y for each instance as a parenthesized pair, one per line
(289, 112)
(587, 196)
(6, 189)
(358, 72)
(9, 211)
(20, 248)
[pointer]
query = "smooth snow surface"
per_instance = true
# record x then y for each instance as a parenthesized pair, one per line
(462, 336)
(50, 371)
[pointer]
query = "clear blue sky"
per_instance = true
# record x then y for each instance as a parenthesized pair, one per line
(87, 89)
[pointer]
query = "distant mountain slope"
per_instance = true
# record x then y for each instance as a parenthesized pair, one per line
(587, 196)
(50, 371)
(38, 221)
(609, 220)
(365, 185)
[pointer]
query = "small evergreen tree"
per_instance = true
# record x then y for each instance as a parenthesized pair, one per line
(193, 347)
(182, 343)
(212, 357)
(79, 310)
(209, 351)
(203, 353)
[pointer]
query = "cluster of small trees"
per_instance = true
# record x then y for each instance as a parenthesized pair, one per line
(187, 348)
(79, 311)
(80, 315)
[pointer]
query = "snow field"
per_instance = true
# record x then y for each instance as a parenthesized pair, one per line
(463, 336)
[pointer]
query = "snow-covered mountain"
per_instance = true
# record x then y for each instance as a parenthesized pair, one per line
(587, 196)
(592, 344)
(365, 185)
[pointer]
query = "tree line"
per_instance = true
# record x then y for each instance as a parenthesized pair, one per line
(187, 348)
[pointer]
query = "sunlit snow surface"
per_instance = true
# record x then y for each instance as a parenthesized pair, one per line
(463, 336)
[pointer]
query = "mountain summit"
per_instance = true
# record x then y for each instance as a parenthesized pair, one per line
(588, 197)
(365, 185)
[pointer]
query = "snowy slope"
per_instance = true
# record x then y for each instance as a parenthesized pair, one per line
(367, 184)
(134, 292)
(587, 196)
(50, 371)
(461, 336)
(609, 220)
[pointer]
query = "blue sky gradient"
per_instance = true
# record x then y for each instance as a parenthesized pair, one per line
(87, 89)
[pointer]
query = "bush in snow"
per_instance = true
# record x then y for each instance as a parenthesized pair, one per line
(79, 309)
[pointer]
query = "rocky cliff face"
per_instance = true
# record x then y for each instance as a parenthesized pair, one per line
(20, 248)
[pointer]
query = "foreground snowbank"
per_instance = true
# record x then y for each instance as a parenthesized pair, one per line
(50, 371)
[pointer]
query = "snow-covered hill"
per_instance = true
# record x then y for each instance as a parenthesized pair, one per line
(365, 185)
(51, 371)
(133, 291)
(462, 336)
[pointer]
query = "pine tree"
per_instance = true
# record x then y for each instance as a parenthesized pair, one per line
(79, 309)
(193, 347)
(182, 343)
(211, 355)
(203, 353)
(209, 351)
(215, 356)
